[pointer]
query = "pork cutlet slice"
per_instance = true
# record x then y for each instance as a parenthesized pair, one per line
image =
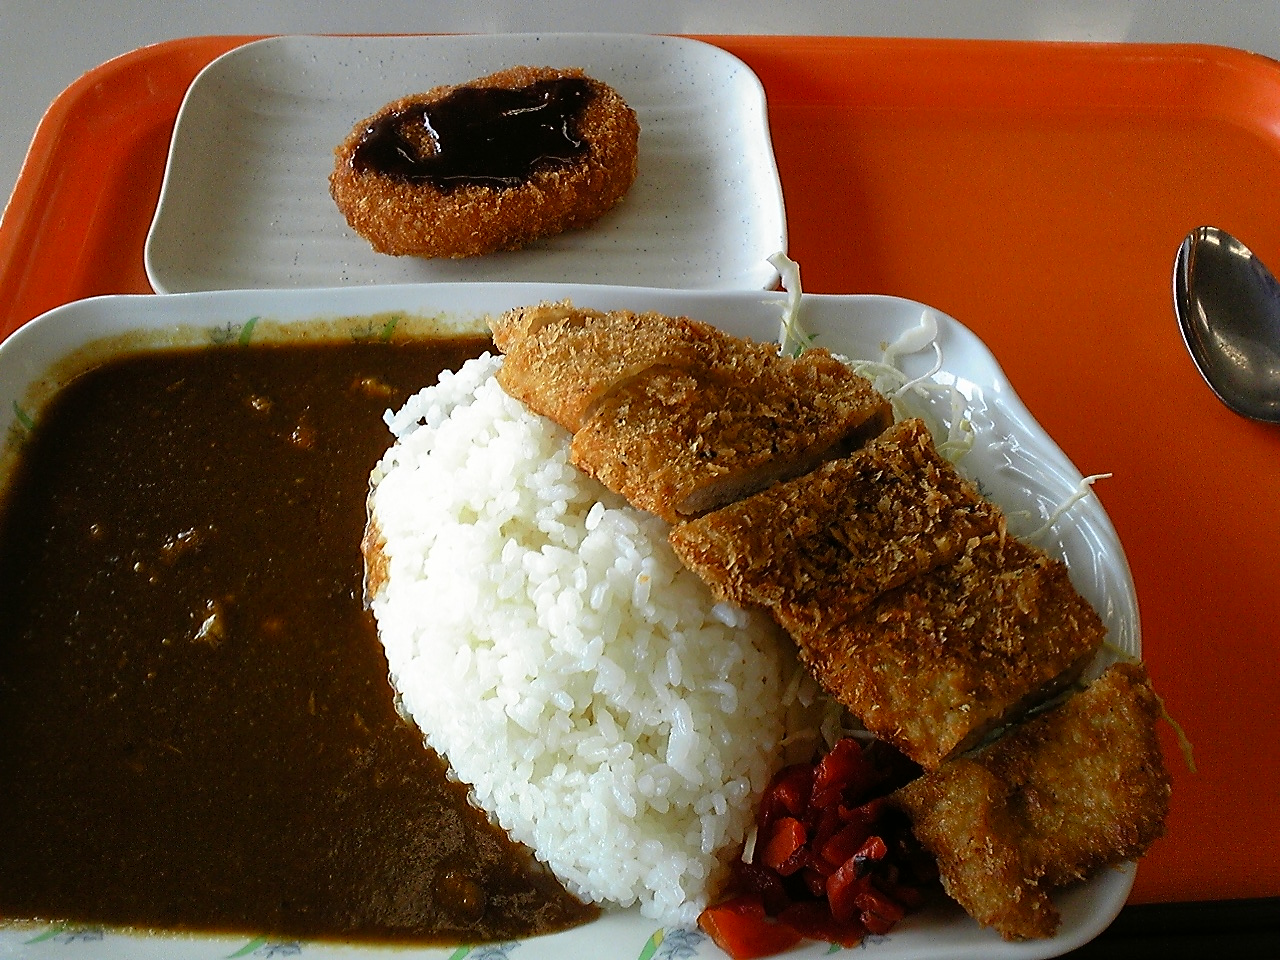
(1088, 780)
(676, 415)
(960, 814)
(679, 442)
(1079, 787)
(819, 548)
(560, 360)
(934, 665)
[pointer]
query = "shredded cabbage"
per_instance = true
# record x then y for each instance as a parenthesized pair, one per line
(749, 846)
(885, 375)
(1081, 491)
(1185, 747)
(792, 338)
(954, 434)
(905, 396)
(1184, 742)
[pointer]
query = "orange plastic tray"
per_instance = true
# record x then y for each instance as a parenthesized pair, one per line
(1037, 192)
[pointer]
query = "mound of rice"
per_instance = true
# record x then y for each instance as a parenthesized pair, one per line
(604, 709)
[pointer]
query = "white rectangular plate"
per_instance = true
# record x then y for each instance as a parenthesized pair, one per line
(245, 201)
(1015, 462)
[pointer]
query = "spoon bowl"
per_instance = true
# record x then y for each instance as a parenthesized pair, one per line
(1228, 308)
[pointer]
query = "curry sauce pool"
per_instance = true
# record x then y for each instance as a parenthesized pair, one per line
(196, 728)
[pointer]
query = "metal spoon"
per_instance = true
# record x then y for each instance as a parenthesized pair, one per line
(1228, 306)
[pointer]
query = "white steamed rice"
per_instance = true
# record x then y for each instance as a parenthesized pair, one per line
(605, 710)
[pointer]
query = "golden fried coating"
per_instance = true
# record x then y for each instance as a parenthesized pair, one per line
(817, 549)
(676, 415)
(906, 599)
(961, 815)
(1087, 780)
(560, 361)
(1078, 787)
(511, 328)
(402, 216)
(937, 663)
(680, 441)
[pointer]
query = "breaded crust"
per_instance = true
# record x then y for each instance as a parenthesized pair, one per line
(676, 415)
(401, 217)
(561, 361)
(1079, 787)
(1087, 780)
(961, 815)
(905, 596)
(681, 441)
(936, 664)
(818, 549)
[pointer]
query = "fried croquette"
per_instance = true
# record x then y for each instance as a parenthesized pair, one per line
(1081, 786)
(493, 164)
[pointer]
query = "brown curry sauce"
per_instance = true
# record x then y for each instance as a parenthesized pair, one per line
(196, 727)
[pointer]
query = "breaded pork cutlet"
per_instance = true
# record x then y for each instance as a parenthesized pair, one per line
(679, 443)
(934, 665)
(1078, 787)
(560, 360)
(1088, 780)
(961, 815)
(905, 596)
(818, 549)
(677, 416)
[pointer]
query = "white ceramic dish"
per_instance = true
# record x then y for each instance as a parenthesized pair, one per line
(1017, 464)
(245, 202)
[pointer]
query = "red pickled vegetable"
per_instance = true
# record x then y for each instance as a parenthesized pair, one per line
(812, 919)
(787, 796)
(741, 928)
(843, 888)
(788, 836)
(844, 768)
(832, 862)
(879, 911)
(873, 850)
(846, 842)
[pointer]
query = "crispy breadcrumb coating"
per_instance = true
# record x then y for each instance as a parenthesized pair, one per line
(561, 361)
(934, 665)
(817, 549)
(1079, 787)
(401, 217)
(906, 598)
(676, 415)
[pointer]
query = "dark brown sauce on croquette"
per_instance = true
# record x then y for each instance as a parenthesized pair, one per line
(196, 727)
(490, 136)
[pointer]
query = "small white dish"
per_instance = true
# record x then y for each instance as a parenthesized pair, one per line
(1014, 460)
(245, 202)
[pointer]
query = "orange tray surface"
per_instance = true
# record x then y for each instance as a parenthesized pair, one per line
(1036, 192)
